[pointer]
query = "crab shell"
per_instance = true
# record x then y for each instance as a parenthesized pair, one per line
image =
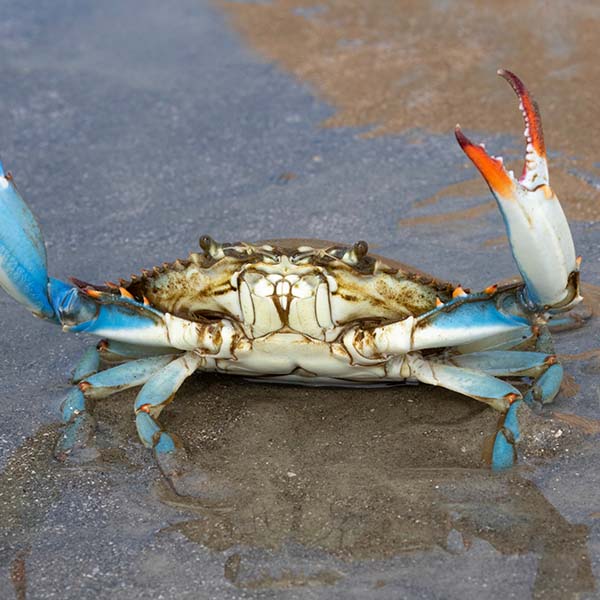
(313, 288)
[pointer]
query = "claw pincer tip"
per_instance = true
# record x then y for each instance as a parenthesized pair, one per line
(530, 110)
(492, 169)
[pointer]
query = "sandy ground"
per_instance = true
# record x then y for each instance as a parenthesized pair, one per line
(133, 128)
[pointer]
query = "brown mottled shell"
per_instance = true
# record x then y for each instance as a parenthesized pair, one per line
(368, 286)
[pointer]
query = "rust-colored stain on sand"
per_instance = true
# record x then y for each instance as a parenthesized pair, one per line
(394, 66)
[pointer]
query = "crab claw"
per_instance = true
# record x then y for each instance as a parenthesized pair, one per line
(23, 271)
(538, 231)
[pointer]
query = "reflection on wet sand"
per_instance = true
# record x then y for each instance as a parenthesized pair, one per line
(396, 66)
(362, 476)
(324, 477)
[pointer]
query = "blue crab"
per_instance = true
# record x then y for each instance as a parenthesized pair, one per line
(313, 312)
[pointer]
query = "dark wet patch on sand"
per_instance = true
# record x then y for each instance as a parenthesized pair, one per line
(363, 475)
(357, 475)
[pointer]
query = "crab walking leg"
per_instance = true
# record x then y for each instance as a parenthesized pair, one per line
(155, 395)
(469, 382)
(497, 393)
(505, 363)
(504, 452)
(76, 405)
(545, 368)
(538, 231)
(546, 386)
(110, 351)
(88, 364)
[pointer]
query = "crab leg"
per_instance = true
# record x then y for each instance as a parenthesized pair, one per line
(546, 386)
(24, 275)
(75, 407)
(538, 232)
(111, 351)
(469, 382)
(504, 452)
(483, 387)
(544, 367)
(155, 395)
(132, 323)
(87, 365)
(505, 363)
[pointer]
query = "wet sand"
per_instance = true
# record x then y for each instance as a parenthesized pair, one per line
(389, 67)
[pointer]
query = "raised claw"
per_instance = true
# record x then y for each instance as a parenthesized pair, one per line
(538, 231)
(23, 270)
(535, 169)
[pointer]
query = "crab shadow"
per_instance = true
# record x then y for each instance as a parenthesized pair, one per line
(363, 475)
(313, 481)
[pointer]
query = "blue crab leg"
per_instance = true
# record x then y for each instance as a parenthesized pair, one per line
(469, 382)
(87, 365)
(122, 377)
(505, 362)
(538, 231)
(545, 367)
(504, 452)
(546, 386)
(75, 407)
(460, 322)
(127, 321)
(483, 387)
(23, 270)
(153, 397)
(112, 351)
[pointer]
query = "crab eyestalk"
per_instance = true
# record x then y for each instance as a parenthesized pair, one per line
(23, 270)
(538, 231)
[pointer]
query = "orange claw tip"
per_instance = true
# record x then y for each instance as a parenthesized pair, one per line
(578, 261)
(125, 293)
(492, 169)
(530, 110)
(491, 289)
(93, 293)
(438, 303)
(458, 291)
(146, 301)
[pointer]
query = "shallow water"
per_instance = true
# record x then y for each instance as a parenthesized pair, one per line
(132, 129)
